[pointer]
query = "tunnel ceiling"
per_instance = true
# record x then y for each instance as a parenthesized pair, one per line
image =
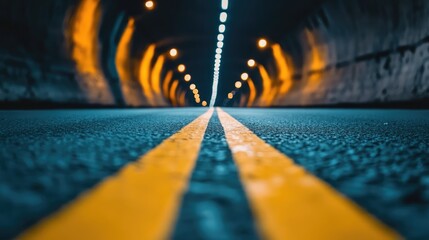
(191, 26)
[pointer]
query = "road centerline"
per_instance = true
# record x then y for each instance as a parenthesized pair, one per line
(290, 203)
(215, 205)
(140, 202)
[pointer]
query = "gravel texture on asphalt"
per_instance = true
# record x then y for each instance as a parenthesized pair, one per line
(378, 158)
(47, 158)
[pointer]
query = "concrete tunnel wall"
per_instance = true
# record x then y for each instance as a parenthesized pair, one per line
(359, 51)
(355, 51)
(38, 51)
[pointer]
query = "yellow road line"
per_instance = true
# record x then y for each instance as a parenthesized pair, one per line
(290, 203)
(140, 202)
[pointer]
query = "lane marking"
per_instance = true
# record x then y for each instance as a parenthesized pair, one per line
(290, 203)
(140, 202)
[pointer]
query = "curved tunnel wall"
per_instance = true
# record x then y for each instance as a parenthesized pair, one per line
(356, 51)
(65, 52)
(359, 51)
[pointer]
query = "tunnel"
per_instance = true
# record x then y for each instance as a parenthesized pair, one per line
(112, 53)
(222, 119)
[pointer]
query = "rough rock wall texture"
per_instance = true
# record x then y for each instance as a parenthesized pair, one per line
(38, 51)
(360, 51)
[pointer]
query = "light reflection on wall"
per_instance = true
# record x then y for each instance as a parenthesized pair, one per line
(155, 82)
(173, 93)
(182, 98)
(284, 72)
(316, 63)
(145, 74)
(150, 77)
(166, 83)
(83, 39)
(243, 100)
(252, 93)
(268, 91)
(131, 94)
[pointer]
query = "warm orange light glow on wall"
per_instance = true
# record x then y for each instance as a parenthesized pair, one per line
(316, 59)
(156, 81)
(182, 99)
(243, 100)
(316, 64)
(83, 37)
(268, 93)
(145, 74)
(252, 93)
(166, 83)
(173, 93)
(284, 74)
(123, 52)
(122, 61)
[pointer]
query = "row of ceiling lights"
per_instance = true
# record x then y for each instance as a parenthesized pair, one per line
(193, 87)
(150, 5)
(251, 63)
(218, 57)
(262, 44)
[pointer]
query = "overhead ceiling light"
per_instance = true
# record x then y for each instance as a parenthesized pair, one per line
(238, 84)
(195, 91)
(181, 68)
(173, 52)
(188, 77)
(192, 86)
(220, 37)
(222, 28)
(223, 17)
(197, 96)
(197, 100)
(204, 103)
(251, 63)
(150, 5)
(224, 4)
(230, 96)
(262, 43)
(244, 76)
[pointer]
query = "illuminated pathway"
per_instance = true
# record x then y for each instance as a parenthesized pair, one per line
(214, 174)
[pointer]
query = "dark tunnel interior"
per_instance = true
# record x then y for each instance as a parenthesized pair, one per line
(119, 53)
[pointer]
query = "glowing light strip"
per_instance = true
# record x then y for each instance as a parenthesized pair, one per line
(224, 4)
(218, 57)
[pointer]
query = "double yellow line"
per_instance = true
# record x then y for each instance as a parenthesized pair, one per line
(142, 200)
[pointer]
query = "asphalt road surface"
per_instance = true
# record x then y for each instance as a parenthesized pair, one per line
(377, 159)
